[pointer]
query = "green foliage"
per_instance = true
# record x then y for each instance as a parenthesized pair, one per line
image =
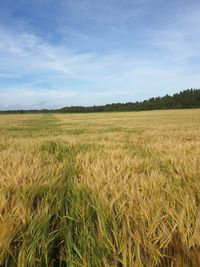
(189, 98)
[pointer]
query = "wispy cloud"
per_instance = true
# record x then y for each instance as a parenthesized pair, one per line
(106, 51)
(34, 98)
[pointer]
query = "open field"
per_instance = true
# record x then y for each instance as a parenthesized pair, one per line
(107, 189)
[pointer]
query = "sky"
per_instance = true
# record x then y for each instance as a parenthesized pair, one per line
(56, 53)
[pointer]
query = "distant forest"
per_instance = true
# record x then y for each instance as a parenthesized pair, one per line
(189, 98)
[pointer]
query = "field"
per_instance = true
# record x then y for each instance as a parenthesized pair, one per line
(100, 190)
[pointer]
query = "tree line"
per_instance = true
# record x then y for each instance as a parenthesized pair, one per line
(189, 98)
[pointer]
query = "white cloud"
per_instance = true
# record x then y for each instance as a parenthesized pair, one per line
(32, 98)
(56, 74)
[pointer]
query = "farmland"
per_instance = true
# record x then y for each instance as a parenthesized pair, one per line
(107, 189)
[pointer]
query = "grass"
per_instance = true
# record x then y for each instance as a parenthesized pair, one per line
(108, 189)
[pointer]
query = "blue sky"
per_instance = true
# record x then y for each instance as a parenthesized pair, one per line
(85, 52)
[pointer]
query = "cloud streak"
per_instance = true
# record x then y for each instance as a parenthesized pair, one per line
(113, 56)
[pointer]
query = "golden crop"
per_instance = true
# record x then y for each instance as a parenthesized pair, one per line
(107, 189)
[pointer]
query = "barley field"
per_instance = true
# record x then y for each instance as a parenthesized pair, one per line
(100, 190)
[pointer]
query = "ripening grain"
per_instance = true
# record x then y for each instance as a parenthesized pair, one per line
(107, 189)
